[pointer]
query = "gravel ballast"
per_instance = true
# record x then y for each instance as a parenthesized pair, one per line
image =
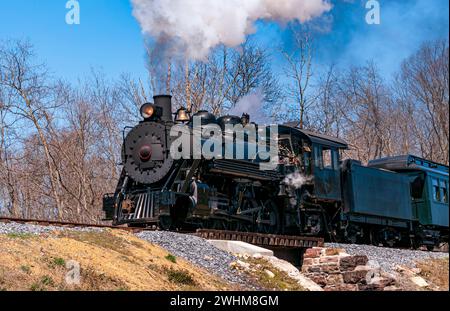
(197, 251)
(388, 258)
(18, 228)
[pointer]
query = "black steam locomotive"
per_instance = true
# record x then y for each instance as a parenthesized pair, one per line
(309, 192)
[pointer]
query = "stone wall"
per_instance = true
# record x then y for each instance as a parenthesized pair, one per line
(335, 270)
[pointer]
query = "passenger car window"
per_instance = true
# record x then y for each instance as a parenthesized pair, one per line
(444, 188)
(436, 190)
(417, 187)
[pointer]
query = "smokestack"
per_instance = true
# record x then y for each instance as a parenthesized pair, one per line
(165, 102)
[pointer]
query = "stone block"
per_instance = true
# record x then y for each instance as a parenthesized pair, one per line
(370, 287)
(330, 268)
(355, 277)
(318, 278)
(341, 288)
(314, 252)
(335, 279)
(419, 281)
(333, 251)
(313, 269)
(329, 259)
(382, 281)
(349, 263)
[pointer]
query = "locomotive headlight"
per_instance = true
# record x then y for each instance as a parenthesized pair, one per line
(147, 111)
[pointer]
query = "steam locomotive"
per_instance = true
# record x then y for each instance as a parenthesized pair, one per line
(309, 191)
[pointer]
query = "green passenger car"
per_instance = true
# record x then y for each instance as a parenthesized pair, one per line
(429, 191)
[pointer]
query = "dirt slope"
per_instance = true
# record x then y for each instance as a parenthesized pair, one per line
(110, 260)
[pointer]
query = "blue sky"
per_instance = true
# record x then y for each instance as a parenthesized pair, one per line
(109, 38)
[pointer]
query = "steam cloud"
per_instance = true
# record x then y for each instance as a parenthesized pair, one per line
(296, 180)
(194, 27)
(252, 104)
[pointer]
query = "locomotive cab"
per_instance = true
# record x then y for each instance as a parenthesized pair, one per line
(318, 157)
(314, 185)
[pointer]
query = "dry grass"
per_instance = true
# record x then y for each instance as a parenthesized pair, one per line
(171, 258)
(280, 282)
(111, 260)
(436, 272)
(180, 277)
(106, 240)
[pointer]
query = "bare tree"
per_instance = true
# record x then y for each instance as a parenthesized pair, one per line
(7, 176)
(364, 102)
(299, 70)
(326, 115)
(30, 97)
(248, 71)
(130, 94)
(423, 90)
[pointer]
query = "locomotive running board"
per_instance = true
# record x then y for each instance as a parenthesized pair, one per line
(261, 239)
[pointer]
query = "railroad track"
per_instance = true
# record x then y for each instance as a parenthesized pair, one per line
(248, 237)
(58, 223)
(268, 240)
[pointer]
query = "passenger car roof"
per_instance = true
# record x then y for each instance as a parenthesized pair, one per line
(409, 162)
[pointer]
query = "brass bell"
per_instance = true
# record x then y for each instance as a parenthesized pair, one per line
(182, 115)
(282, 191)
(245, 119)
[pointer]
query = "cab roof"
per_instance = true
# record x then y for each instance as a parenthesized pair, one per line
(316, 138)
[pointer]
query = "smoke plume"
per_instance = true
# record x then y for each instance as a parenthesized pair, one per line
(194, 27)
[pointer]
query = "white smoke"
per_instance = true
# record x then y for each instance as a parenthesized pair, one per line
(253, 105)
(296, 180)
(194, 27)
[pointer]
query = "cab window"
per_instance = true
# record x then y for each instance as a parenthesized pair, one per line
(318, 157)
(307, 162)
(285, 147)
(326, 158)
(335, 155)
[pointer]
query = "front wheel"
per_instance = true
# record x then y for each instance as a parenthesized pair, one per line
(165, 222)
(268, 219)
(352, 234)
